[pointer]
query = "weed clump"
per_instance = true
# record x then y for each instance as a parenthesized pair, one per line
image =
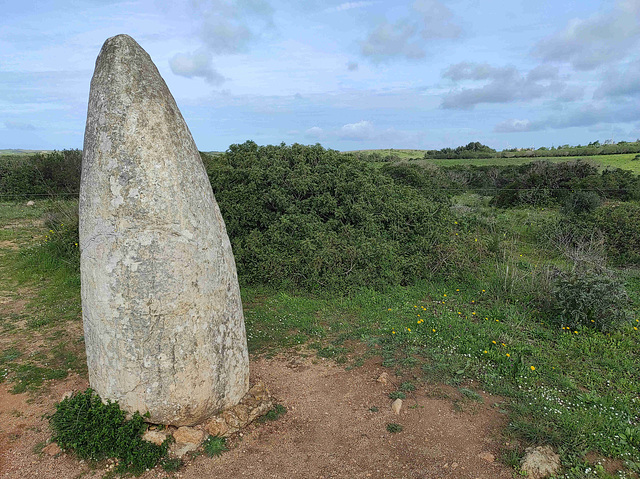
(214, 446)
(397, 395)
(95, 431)
(275, 413)
(393, 427)
(589, 300)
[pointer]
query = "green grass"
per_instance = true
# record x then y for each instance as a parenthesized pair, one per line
(624, 161)
(214, 446)
(44, 292)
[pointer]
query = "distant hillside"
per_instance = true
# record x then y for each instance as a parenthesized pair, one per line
(22, 152)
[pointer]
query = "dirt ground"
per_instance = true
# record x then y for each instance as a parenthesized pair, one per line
(331, 430)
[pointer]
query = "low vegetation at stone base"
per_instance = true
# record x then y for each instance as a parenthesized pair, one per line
(96, 431)
(214, 446)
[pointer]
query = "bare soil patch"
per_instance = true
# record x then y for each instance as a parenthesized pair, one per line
(331, 430)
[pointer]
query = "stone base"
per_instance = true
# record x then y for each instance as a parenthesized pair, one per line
(256, 403)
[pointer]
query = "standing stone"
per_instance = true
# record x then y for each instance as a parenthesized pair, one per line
(163, 322)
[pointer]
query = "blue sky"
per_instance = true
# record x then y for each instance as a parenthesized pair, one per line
(349, 75)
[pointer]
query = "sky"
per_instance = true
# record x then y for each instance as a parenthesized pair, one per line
(423, 74)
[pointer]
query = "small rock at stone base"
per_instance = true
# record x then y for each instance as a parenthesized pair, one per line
(231, 419)
(259, 391)
(66, 395)
(383, 378)
(179, 449)
(242, 413)
(540, 462)
(396, 406)
(188, 435)
(156, 437)
(217, 427)
(31, 203)
(52, 449)
(487, 456)
(260, 410)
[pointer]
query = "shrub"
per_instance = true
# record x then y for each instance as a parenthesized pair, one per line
(589, 299)
(613, 183)
(51, 174)
(95, 430)
(581, 202)
(62, 238)
(303, 216)
(541, 183)
(620, 223)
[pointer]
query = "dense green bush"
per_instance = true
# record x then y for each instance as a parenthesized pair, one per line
(427, 179)
(95, 430)
(581, 202)
(589, 299)
(613, 183)
(541, 183)
(314, 218)
(620, 223)
(52, 174)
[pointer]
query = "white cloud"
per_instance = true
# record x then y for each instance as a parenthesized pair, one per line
(224, 37)
(348, 6)
(621, 82)
(392, 40)
(587, 114)
(225, 27)
(315, 132)
(362, 130)
(513, 126)
(437, 20)
(601, 39)
(197, 64)
(505, 85)
(408, 37)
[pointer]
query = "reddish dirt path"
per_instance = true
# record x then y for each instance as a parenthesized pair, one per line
(328, 431)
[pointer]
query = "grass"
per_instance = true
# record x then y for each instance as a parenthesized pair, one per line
(393, 427)
(43, 294)
(624, 161)
(214, 446)
(576, 390)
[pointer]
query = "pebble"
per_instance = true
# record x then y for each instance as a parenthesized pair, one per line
(396, 406)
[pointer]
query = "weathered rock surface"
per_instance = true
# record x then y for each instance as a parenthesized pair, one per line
(163, 321)
(52, 449)
(156, 437)
(396, 406)
(256, 403)
(540, 462)
(188, 435)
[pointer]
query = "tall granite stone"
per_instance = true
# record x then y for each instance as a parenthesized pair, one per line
(163, 321)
